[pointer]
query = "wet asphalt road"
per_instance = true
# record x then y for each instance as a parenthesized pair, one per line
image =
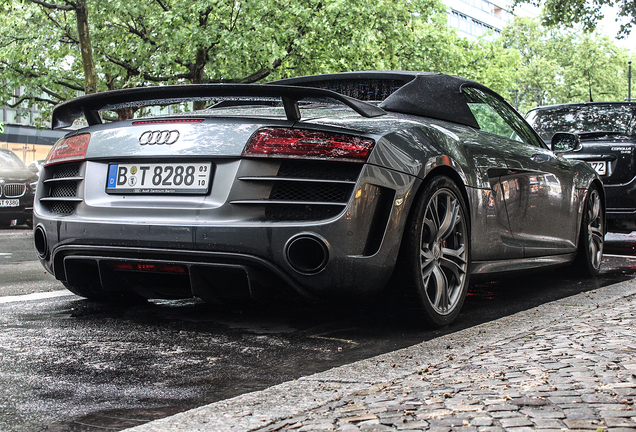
(70, 365)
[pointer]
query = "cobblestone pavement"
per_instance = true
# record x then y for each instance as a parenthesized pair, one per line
(569, 365)
(569, 376)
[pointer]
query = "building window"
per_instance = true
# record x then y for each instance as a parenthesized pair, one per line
(470, 26)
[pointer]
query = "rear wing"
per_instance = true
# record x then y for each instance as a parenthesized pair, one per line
(90, 105)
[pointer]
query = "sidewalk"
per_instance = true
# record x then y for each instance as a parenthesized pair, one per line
(566, 365)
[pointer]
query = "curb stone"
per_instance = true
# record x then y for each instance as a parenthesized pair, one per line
(400, 390)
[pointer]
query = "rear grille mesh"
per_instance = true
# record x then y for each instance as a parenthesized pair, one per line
(306, 190)
(319, 170)
(292, 191)
(61, 188)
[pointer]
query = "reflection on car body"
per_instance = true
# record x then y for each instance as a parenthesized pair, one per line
(298, 187)
(606, 130)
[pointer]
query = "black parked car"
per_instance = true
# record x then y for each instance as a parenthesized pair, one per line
(608, 143)
(17, 188)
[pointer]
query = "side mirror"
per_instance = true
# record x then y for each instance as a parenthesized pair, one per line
(34, 167)
(563, 142)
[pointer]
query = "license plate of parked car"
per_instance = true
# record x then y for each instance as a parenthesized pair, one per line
(600, 167)
(9, 203)
(166, 178)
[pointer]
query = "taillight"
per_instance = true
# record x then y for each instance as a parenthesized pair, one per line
(163, 268)
(68, 149)
(306, 144)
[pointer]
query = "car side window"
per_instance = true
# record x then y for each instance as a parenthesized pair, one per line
(496, 117)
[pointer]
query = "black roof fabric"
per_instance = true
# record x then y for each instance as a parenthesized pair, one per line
(425, 94)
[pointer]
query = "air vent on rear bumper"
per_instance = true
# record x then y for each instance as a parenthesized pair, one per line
(60, 194)
(303, 190)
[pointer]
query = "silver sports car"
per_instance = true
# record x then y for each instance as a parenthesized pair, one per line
(329, 186)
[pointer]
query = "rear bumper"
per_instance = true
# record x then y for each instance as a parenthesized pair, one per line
(353, 254)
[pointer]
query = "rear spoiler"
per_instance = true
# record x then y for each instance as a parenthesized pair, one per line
(90, 105)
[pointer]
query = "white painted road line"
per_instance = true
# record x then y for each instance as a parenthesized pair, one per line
(35, 296)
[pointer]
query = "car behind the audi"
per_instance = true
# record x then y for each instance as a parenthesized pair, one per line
(326, 186)
(17, 188)
(608, 143)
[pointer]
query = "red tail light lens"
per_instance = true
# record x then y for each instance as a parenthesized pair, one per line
(164, 268)
(305, 144)
(68, 149)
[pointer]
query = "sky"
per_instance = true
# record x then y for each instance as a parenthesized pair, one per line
(610, 27)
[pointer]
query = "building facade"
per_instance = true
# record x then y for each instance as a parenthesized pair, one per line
(475, 18)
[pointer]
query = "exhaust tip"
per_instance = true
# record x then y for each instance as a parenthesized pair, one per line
(40, 242)
(307, 254)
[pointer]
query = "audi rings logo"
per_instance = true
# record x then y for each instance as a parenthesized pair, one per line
(166, 137)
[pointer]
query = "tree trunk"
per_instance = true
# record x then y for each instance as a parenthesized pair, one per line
(90, 76)
(199, 71)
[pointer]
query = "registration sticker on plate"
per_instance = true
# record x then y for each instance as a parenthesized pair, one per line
(600, 167)
(9, 203)
(159, 178)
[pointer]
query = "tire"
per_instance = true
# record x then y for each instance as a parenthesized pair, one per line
(437, 251)
(590, 250)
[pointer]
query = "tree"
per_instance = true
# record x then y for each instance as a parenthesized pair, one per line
(588, 13)
(149, 42)
(559, 66)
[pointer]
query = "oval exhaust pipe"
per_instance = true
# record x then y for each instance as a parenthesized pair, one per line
(307, 253)
(40, 242)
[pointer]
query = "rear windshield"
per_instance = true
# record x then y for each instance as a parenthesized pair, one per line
(583, 118)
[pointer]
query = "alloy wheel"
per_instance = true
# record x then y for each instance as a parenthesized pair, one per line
(443, 254)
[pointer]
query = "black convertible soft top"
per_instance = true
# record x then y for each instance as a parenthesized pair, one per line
(425, 94)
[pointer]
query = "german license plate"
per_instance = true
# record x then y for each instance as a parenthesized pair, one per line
(9, 203)
(159, 178)
(600, 167)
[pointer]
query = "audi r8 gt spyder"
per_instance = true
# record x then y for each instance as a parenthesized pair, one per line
(17, 188)
(608, 143)
(330, 186)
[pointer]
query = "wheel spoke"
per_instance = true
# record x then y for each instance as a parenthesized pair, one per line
(440, 301)
(430, 232)
(455, 261)
(427, 263)
(595, 208)
(451, 218)
(432, 220)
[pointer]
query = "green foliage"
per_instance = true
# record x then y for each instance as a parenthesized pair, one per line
(586, 13)
(150, 42)
(144, 42)
(559, 66)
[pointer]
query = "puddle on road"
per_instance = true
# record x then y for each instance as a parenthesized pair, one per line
(114, 419)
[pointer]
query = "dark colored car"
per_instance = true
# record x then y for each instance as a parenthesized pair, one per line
(328, 186)
(17, 189)
(607, 133)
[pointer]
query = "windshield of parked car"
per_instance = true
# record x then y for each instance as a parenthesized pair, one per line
(582, 119)
(10, 161)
